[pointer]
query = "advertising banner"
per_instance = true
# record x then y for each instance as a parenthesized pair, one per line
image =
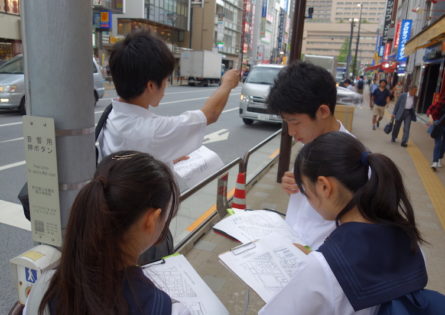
(405, 35)
(387, 24)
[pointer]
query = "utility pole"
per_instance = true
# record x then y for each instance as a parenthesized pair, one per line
(59, 77)
(348, 59)
(354, 69)
(295, 54)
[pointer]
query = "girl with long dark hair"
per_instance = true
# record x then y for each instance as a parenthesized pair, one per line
(125, 209)
(373, 255)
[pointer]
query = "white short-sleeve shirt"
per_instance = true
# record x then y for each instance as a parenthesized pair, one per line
(313, 290)
(305, 220)
(166, 138)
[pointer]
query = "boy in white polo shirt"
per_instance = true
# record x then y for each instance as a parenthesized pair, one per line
(140, 66)
(305, 96)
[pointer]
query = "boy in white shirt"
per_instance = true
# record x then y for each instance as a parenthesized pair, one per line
(305, 96)
(140, 66)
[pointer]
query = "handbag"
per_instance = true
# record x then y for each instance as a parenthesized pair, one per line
(23, 194)
(389, 126)
(437, 128)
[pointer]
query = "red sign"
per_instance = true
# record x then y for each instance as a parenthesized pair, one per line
(397, 34)
(386, 51)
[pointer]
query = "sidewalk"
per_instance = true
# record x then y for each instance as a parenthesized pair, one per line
(426, 190)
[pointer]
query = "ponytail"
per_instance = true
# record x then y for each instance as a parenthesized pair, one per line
(92, 271)
(374, 180)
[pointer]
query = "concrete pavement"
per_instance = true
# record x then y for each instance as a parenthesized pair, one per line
(425, 187)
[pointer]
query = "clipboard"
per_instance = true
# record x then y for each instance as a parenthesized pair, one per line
(265, 265)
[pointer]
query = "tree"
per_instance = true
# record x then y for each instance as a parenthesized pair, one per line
(344, 50)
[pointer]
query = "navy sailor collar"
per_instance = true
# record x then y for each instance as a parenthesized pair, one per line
(373, 263)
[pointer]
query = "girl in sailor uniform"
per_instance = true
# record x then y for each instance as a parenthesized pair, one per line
(373, 257)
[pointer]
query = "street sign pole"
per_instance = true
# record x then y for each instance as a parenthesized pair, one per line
(295, 54)
(59, 86)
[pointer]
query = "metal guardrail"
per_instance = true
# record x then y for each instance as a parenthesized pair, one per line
(222, 202)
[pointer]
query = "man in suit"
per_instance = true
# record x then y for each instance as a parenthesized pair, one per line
(404, 111)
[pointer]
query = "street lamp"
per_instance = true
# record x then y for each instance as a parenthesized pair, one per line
(348, 59)
(354, 69)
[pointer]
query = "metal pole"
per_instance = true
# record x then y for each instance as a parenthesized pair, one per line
(59, 77)
(256, 32)
(354, 69)
(348, 59)
(295, 54)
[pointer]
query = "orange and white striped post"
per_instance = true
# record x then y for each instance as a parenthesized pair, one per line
(239, 197)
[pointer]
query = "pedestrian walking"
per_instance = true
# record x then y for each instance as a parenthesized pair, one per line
(397, 91)
(348, 84)
(380, 97)
(404, 111)
(125, 209)
(435, 114)
(360, 85)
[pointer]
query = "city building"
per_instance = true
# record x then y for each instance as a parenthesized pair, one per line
(329, 29)
(217, 25)
(10, 37)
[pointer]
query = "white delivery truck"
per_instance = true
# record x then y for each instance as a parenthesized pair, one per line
(327, 62)
(201, 67)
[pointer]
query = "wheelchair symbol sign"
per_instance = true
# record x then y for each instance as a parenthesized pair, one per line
(31, 275)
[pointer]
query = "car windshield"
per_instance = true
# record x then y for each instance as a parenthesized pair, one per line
(263, 75)
(13, 66)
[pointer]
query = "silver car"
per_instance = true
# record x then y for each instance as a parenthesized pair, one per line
(254, 94)
(12, 84)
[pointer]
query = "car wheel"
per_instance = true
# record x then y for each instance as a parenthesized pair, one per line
(96, 98)
(247, 121)
(22, 108)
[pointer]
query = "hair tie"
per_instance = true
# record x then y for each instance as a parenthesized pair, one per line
(364, 158)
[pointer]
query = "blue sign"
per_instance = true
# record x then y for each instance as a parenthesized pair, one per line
(264, 9)
(31, 275)
(405, 35)
(381, 51)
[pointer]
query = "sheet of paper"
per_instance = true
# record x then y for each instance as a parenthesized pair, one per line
(247, 226)
(265, 265)
(180, 280)
(202, 163)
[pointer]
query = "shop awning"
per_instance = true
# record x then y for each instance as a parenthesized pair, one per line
(430, 36)
(386, 66)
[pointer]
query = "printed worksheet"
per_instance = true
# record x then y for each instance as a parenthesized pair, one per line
(265, 265)
(202, 163)
(247, 226)
(176, 276)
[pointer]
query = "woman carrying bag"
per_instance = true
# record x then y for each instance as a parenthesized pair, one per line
(436, 115)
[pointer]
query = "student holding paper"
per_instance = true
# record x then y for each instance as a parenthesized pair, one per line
(373, 257)
(305, 96)
(125, 209)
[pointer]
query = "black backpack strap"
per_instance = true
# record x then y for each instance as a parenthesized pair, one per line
(100, 124)
(102, 120)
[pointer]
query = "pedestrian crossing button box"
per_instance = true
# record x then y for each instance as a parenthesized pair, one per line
(26, 268)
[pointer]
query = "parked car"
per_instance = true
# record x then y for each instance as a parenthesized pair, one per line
(254, 94)
(348, 97)
(12, 84)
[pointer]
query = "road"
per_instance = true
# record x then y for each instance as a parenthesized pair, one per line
(229, 137)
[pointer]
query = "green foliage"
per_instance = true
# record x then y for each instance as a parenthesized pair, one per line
(343, 53)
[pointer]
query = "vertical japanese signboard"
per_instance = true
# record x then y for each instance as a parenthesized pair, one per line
(387, 23)
(397, 34)
(405, 34)
(43, 182)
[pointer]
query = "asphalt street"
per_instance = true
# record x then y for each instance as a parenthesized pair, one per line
(229, 137)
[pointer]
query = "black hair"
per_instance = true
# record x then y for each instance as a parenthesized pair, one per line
(382, 198)
(89, 278)
(383, 80)
(139, 58)
(347, 81)
(301, 88)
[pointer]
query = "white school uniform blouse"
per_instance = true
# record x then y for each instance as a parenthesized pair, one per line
(313, 290)
(166, 138)
(311, 228)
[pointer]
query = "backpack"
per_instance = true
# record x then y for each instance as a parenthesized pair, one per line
(23, 194)
(422, 302)
(360, 84)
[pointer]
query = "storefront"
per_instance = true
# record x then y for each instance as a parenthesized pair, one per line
(10, 39)
(432, 70)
